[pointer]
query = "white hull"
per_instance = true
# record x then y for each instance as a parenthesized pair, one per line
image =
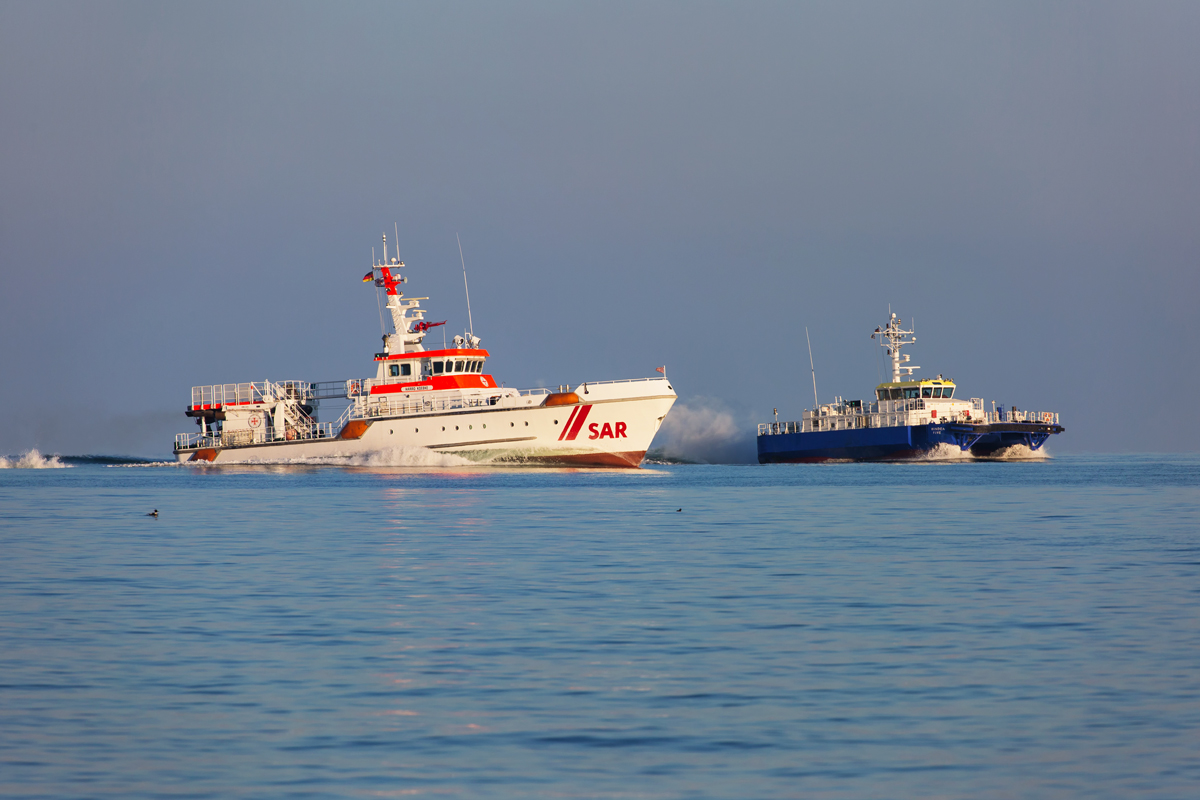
(611, 425)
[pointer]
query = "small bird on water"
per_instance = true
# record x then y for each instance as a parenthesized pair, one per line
(153, 513)
(679, 509)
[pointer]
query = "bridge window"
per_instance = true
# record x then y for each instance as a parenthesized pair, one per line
(912, 393)
(394, 370)
(458, 366)
(406, 369)
(882, 393)
(927, 391)
(947, 392)
(937, 391)
(437, 368)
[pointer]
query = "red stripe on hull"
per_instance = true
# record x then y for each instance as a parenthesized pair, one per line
(567, 427)
(583, 412)
(628, 459)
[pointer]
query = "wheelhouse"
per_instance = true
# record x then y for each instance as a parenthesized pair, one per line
(422, 365)
(916, 390)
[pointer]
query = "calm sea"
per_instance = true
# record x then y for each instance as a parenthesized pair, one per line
(978, 630)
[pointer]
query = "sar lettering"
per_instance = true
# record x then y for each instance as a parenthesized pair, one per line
(608, 431)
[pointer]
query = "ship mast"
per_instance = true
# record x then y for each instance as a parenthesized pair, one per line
(403, 340)
(891, 336)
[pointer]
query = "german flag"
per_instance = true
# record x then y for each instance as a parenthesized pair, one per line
(370, 276)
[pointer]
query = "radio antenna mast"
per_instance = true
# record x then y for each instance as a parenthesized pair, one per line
(465, 287)
(816, 404)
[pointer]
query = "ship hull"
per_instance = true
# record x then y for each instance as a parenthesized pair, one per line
(605, 429)
(898, 442)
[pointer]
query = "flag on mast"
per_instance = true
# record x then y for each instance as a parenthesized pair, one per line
(662, 369)
(370, 276)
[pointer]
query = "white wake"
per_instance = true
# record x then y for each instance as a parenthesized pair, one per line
(400, 456)
(1019, 452)
(32, 460)
(946, 452)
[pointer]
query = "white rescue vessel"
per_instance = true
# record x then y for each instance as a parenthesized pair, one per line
(442, 400)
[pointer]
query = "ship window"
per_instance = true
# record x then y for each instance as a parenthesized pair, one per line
(910, 394)
(477, 366)
(882, 393)
(394, 370)
(948, 392)
(458, 366)
(406, 369)
(449, 366)
(927, 391)
(937, 391)
(437, 368)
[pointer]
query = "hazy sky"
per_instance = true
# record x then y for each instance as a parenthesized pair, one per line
(189, 193)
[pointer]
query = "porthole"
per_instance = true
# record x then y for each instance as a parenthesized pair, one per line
(555, 422)
(443, 427)
(470, 427)
(455, 427)
(527, 424)
(485, 426)
(416, 430)
(390, 432)
(512, 424)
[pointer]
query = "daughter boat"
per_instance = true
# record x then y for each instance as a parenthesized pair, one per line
(442, 400)
(908, 419)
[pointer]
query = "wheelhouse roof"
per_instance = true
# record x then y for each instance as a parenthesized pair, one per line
(452, 352)
(903, 384)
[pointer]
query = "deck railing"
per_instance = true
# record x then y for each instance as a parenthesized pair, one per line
(199, 441)
(228, 394)
(842, 422)
(365, 406)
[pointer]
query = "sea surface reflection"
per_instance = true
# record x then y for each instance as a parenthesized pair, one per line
(840, 631)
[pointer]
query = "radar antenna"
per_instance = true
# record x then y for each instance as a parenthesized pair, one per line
(891, 337)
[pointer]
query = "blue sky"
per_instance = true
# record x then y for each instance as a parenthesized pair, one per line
(189, 193)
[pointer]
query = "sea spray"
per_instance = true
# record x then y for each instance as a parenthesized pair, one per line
(945, 453)
(701, 431)
(1019, 452)
(32, 460)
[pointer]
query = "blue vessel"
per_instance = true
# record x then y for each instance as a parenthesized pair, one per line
(908, 419)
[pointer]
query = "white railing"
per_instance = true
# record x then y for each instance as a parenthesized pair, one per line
(842, 422)
(243, 438)
(1012, 415)
(625, 380)
(389, 405)
(228, 394)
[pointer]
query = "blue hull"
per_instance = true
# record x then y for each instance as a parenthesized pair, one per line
(900, 441)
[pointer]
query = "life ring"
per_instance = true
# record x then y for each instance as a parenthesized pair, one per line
(291, 434)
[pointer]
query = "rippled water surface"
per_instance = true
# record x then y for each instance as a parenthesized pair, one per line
(841, 631)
